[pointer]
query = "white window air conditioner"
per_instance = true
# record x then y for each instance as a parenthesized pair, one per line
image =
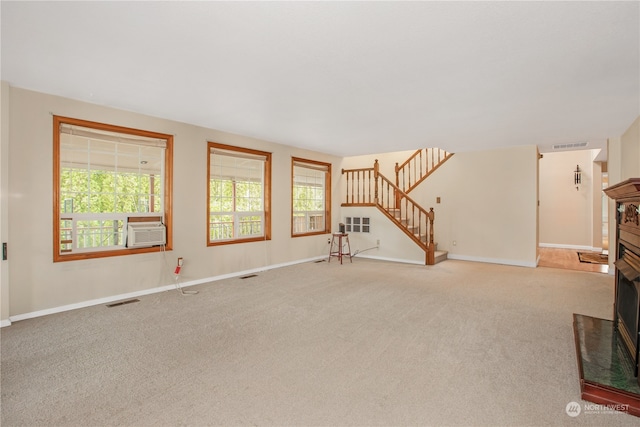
(141, 234)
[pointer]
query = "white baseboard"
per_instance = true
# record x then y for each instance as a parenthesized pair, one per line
(120, 297)
(404, 261)
(575, 247)
(460, 258)
(516, 263)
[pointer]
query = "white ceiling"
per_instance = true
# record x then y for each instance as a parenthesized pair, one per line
(344, 78)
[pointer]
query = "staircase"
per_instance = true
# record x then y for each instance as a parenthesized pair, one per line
(368, 187)
(403, 222)
(419, 166)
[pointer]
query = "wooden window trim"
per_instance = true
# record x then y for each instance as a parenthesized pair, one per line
(327, 196)
(168, 189)
(267, 193)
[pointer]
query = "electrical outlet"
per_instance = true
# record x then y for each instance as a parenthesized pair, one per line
(180, 261)
(378, 242)
(328, 241)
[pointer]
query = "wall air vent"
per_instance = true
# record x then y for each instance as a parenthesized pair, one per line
(570, 146)
(358, 224)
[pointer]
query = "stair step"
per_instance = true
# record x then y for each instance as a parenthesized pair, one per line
(440, 256)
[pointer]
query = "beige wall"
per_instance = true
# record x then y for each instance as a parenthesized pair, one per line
(4, 200)
(394, 244)
(38, 284)
(596, 209)
(488, 205)
(623, 163)
(570, 217)
(488, 208)
(630, 155)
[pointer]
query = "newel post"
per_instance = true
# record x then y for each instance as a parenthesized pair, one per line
(376, 170)
(347, 192)
(398, 175)
(432, 215)
(397, 195)
(431, 250)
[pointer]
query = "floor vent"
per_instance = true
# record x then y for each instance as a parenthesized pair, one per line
(248, 276)
(320, 260)
(129, 301)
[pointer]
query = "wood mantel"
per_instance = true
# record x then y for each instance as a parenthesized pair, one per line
(623, 190)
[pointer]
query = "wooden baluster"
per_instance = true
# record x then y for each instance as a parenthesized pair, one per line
(382, 191)
(388, 195)
(413, 219)
(351, 187)
(406, 212)
(433, 159)
(426, 160)
(358, 187)
(369, 180)
(405, 176)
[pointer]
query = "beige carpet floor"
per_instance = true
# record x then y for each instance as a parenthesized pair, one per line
(316, 344)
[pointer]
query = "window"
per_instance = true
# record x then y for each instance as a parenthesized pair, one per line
(107, 178)
(311, 199)
(239, 195)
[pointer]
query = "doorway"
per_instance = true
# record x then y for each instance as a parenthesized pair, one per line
(605, 210)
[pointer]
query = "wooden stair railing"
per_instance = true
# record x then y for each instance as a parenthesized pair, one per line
(419, 166)
(368, 187)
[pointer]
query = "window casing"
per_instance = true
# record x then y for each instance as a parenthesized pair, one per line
(310, 197)
(105, 177)
(238, 195)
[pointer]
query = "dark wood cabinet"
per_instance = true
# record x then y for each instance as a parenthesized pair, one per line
(626, 312)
